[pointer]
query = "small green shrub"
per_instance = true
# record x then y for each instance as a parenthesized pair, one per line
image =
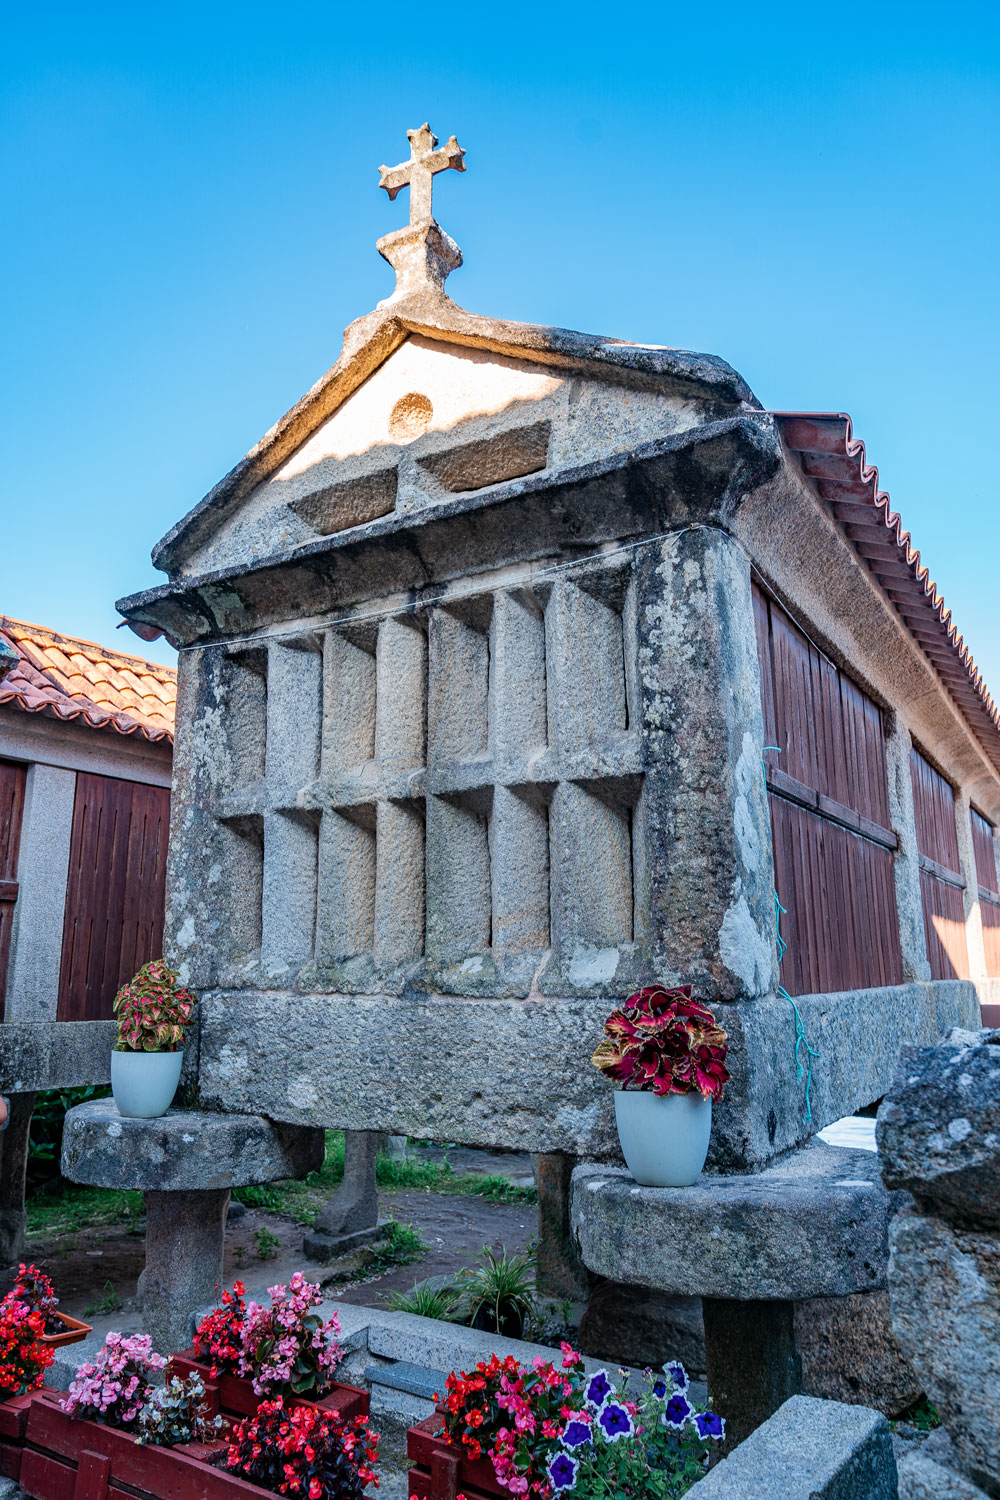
(499, 1293)
(426, 1300)
(266, 1243)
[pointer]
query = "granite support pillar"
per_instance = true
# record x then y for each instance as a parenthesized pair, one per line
(185, 1237)
(350, 1218)
(560, 1271)
(13, 1169)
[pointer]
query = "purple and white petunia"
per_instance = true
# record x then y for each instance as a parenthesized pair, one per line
(677, 1373)
(562, 1471)
(659, 1389)
(710, 1425)
(576, 1433)
(677, 1411)
(614, 1421)
(597, 1390)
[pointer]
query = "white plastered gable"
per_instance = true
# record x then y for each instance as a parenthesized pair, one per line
(435, 420)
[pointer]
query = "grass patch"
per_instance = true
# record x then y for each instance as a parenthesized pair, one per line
(399, 1246)
(65, 1207)
(68, 1207)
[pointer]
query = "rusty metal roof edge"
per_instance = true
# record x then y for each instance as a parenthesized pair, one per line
(794, 427)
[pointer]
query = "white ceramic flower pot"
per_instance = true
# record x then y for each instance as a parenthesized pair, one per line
(144, 1083)
(664, 1138)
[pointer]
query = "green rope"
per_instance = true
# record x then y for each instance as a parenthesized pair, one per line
(802, 1070)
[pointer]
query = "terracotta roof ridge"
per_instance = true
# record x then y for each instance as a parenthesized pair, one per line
(825, 439)
(110, 653)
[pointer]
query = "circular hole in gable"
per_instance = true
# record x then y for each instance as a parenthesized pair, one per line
(410, 416)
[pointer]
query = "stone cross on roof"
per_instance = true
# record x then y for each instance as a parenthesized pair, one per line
(418, 172)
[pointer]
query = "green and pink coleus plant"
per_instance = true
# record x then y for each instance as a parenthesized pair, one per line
(663, 1041)
(154, 1010)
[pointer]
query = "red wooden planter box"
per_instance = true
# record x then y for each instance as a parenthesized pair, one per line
(66, 1458)
(13, 1423)
(440, 1472)
(238, 1398)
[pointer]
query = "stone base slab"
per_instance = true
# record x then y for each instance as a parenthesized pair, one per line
(326, 1247)
(183, 1150)
(282, 1053)
(814, 1224)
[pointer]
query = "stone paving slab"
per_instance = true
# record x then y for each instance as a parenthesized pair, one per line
(809, 1450)
(814, 1224)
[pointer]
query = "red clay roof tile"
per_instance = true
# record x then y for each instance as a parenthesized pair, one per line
(65, 678)
(834, 462)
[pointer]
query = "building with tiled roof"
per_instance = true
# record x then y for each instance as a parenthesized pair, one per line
(69, 679)
(86, 744)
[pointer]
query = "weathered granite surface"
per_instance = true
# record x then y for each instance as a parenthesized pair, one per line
(945, 1290)
(921, 1478)
(40, 1055)
(815, 1223)
(939, 1135)
(183, 1150)
(848, 1352)
(185, 1240)
(282, 1054)
(809, 1450)
(939, 1132)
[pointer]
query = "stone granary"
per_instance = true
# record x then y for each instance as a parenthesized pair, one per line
(86, 736)
(519, 668)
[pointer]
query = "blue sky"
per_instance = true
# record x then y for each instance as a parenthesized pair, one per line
(192, 208)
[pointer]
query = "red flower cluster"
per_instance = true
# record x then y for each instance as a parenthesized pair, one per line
(218, 1337)
(664, 1041)
(472, 1416)
(507, 1411)
(23, 1357)
(305, 1452)
(34, 1287)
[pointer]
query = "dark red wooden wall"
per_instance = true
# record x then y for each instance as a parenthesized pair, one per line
(989, 890)
(115, 891)
(12, 782)
(942, 883)
(828, 786)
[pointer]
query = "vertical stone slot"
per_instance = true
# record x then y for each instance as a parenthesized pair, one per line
(519, 826)
(347, 852)
(294, 716)
(592, 868)
(348, 701)
(242, 847)
(400, 752)
(459, 905)
(246, 717)
(458, 689)
(242, 837)
(459, 896)
(586, 680)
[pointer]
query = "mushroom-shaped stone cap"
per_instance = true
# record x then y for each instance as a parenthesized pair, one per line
(184, 1150)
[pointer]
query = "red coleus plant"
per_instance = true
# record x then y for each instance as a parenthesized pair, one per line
(663, 1041)
(153, 1010)
(305, 1452)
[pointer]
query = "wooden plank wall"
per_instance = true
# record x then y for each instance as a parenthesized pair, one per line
(942, 883)
(829, 797)
(12, 783)
(115, 892)
(989, 890)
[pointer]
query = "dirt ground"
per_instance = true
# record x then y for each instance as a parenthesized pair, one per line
(95, 1270)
